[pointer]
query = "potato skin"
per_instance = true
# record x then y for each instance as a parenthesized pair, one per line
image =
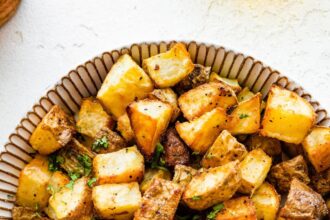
(55, 130)
(288, 117)
(33, 182)
(271, 146)
(201, 193)
(282, 174)
(183, 174)
(150, 174)
(160, 201)
(317, 147)
(321, 182)
(225, 149)
(241, 208)
(23, 213)
(115, 141)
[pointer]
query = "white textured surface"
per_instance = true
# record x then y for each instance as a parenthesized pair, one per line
(46, 39)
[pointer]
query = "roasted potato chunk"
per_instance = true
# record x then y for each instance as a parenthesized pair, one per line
(116, 201)
(225, 149)
(212, 186)
(317, 147)
(241, 208)
(303, 203)
(288, 117)
(176, 152)
(282, 174)
(33, 182)
(183, 174)
(204, 98)
(169, 68)
(125, 83)
(160, 201)
(125, 128)
(200, 133)
(266, 201)
(169, 96)
(271, 146)
(123, 166)
(68, 203)
(245, 118)
(24, 213)
(151, 174)
(92, 118)
(254, 169)
(321, 182)
(149, 119)
(107, 141)
(55, 130)
(57, 181)
(197, 77)
(232, 83)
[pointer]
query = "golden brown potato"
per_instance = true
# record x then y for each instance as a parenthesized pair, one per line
(169, 96)
(107, 141)
(225, 149)
(232, 83)
(123, 166)
(149, 119)
(200, 133)
(54, 131)
(241, 208)
(282, 174)
(204, 98)
(212, 186)
(169, 68)
(245, 118)
(254, 169)
(288, 117)
(271, 146)
(266, 201)
(303, 203)
(160, 201)
(57, 181)
(116, 201)
(183, 174)
(317, 147)
(71, 203)
(151, 174)
(321, 182)
(125, 128)
(92, 118)
(125, 83)
(33, 182)
(24, 213)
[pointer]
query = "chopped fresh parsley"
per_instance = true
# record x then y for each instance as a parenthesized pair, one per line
(196, 197)
(37, 211)
(100, 143)
(241, 116)
(195, 153)
(157, 161)
(54, 162)
(73, 177)
(91, 182)
(215, 210)
(86, 163)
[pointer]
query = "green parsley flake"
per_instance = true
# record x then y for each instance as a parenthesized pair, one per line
(91, 182)
(86, 163)
(100, 143)
(196, 198)
(241, 116)
(217, 208)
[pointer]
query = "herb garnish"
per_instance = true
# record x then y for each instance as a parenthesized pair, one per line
(91, 181)
(100, 143)
(73, 177)
(241, 116)
(51, 189)
(86, 163)
(54, 162)
(214, 212)
(196, 197)
(158, 162)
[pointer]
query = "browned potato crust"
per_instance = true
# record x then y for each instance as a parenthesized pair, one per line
(115, 141)
(271, 146)
(23, 213)
(149, 176)
(125, 128)
(241, 208)
(321, 182)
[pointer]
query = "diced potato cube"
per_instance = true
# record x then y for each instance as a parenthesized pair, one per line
(225, 149)
(169, 68)
(57, 181)
(317, 147)
(204, 98)
(232, 83)
(288, 117)
(200, 133)
(112, 140)
(183, 174)
(241, 208)
(160, 201)
(53, 132)
(169, 96)
(33, 182)
(92, 118)
(254, 169)
(125, 128)
(245, 119)
(149, 119)
(126, 165)
(151, 174)
(116, 201)
(266, 201)
(125, 83)
(25, 213)
(212, 186)
(271, 146)
(71, 203)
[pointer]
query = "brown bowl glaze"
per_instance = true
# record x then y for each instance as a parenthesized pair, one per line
(86, 79)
